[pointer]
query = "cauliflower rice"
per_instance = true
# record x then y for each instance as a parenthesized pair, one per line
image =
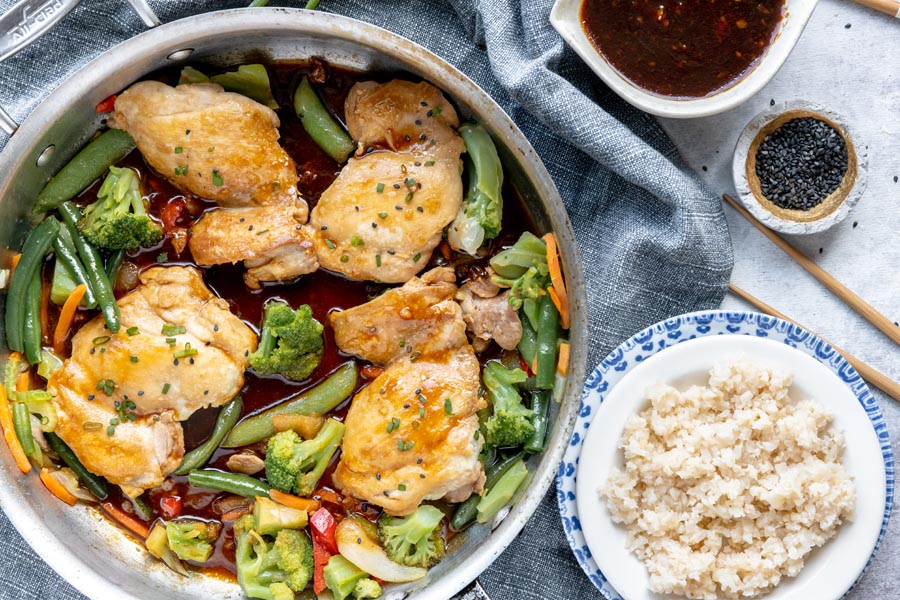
(728, 488)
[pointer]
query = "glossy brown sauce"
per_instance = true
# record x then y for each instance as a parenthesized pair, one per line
(323, 291)
(682, 48)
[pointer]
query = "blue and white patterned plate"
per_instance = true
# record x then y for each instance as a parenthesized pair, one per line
(670, 333)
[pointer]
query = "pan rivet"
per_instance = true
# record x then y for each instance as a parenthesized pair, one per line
(45, 156)
(181, 54)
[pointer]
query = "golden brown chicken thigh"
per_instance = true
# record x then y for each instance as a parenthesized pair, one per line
(386, 212)
(120, 396)
(411, 432)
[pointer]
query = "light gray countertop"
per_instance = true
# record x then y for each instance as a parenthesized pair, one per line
(854, 72)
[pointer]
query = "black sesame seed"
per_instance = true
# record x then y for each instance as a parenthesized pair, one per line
(847, 26)
(855, 223)
(772, 102)
(801, 163)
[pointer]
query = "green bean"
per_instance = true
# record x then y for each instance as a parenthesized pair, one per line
(233, 483)
(113, 264)
(22, 426)
(547, 336)
(94, 483)
(141, 507)
(320, 125)
(94, 265)
(31, 335)
(36, 245)
(540, 405)
(528, 342)
(318, 400)
(466, 512)
(68, 256)
(87, 166)
(228, 416)
(502, 491)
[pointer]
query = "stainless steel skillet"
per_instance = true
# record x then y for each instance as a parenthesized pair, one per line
(80, 545)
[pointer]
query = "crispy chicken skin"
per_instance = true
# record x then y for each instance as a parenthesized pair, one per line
(140, 368)
(271, 241)
(229, 143)
(383, 114)
(442, 454)
(429, 385)
(385, 213)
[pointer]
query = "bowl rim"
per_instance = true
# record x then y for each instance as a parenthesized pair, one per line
(22, 148)
(565, 18)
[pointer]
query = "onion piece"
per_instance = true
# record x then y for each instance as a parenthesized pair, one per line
(67, 478)
(357, 546)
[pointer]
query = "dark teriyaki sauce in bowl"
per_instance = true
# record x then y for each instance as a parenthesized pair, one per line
(682, 48)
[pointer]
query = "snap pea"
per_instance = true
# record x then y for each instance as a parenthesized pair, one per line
(36, 245)
(502, 491)
(31, 334)
(528, 342)
(94, 483)
(233, 483)
(320, 125)
(540, 406)
(466, 512)
(94, 265)
(87, 166)
(68, 256)
(315, 401)
(547, 336)
(113, 264)
(228, 416)
(22, 426)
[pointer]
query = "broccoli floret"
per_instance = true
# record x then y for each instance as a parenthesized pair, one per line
(345, 579)
(480, 216)
(192, 539)
(294, 465)
(271, 569)
(510, 423)
(291, 342)
(414, 540)
(118, 219)
(523, 268)
(366, 588)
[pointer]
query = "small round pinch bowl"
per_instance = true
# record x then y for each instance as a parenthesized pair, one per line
(680, 352)
(835, 207)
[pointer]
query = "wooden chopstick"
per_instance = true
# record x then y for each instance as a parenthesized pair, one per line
(876, 378)
(868, 312)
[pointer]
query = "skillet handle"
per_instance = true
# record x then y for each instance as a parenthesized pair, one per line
(28, 20)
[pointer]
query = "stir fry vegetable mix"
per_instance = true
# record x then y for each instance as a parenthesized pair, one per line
(278, 522)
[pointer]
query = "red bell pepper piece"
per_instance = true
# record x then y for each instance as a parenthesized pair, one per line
(107, 105)
(171, 213)
(321, 556)
(323, 527)
(170, 506)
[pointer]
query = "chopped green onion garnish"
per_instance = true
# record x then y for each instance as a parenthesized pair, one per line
(132, 331)
(178, 149)
(100, 340)
(417, 257)
(169, 329)
(377, 260)
(166, 388)
(217, 179)
(356, 241)
(448, 406)
(379, 188)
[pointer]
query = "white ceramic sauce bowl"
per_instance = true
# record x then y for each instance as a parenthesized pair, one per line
(566, 19)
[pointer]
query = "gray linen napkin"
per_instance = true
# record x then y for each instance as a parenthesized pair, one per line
(653, 239)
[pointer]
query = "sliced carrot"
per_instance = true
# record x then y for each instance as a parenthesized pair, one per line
(23, 381)
(125, 520)
(66, 315)
(235, 513)
(561, 297)
(15, 263)
(57, 489)
(562, 367)
(9, 434)
(293, 501)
